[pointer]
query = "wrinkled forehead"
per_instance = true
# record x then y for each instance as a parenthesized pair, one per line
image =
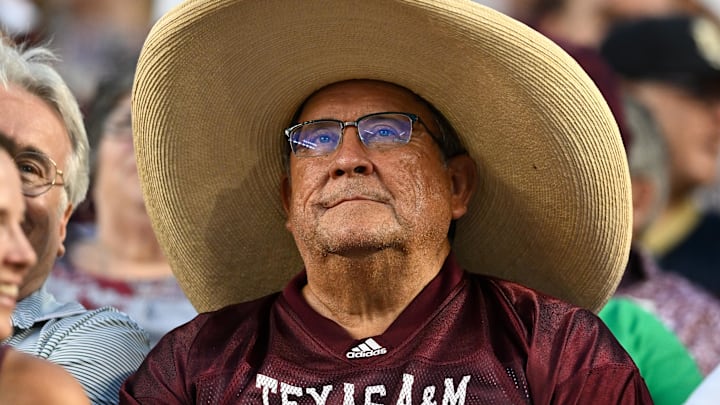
(10, 193)
(364, 95)
(34, 124)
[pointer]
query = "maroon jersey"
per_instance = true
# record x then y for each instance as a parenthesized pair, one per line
(465, 339)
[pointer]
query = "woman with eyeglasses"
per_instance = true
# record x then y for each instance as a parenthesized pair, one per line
(115, 259)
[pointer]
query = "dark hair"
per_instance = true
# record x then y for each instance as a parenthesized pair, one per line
(110, 90)
(449, 141)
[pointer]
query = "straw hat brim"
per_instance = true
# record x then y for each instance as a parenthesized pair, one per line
(218, 80)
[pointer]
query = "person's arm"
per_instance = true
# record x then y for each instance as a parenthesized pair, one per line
(575, 359)
(100, 348)
(25, 379)
(610, 384)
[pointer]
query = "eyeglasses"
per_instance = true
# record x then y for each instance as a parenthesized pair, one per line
(38, 173)
(377, 130)
(119, 127)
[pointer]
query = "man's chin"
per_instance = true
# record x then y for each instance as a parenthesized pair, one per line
(361, 244)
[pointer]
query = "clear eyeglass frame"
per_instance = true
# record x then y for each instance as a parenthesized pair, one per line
(38, 172)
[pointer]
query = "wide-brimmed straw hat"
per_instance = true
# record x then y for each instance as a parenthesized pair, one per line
(219, 80)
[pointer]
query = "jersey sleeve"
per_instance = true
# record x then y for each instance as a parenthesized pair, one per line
(163, 377)
(572, 357)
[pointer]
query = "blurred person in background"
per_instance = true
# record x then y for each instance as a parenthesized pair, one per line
(117, 260)
(518, 9)
(686, 308)
(91, 36)
(100, 348)
(671, 65)
(586, 22)
(668, 368)
(24, 379)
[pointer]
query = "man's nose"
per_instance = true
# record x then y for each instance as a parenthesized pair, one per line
(351, 157)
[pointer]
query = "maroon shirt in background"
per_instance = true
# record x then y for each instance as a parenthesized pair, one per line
(466, 339)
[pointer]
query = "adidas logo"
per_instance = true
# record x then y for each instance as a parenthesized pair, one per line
(368, 348)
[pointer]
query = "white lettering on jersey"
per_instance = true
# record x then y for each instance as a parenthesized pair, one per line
(349, 394)
(372, 390)
(452, 395)
(286, 390)
(405, 397)
(319, 399)
(429, 396)
(267, 384)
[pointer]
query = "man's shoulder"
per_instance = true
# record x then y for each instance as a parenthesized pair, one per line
(105, 324)
(518, 295)
(106, 316)
(529, 311)
(41, 311)
(579, 340)
(248, 311)
(227, 322)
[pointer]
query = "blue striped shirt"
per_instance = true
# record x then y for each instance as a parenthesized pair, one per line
(100, 348)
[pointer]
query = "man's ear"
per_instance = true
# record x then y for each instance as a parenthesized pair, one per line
(285, 193)
(63, 229)
(463, 174)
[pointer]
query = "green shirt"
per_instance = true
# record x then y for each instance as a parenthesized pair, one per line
(669, 371)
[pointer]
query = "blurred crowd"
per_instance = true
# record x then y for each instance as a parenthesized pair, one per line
(674, 271)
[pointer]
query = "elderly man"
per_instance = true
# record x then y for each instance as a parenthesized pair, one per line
(99, 348)
(420, 139)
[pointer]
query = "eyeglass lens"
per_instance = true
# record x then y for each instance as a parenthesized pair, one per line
(37, 171)
(322, 137)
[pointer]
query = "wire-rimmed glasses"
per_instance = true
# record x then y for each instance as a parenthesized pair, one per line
(377, 130)
(38, 172)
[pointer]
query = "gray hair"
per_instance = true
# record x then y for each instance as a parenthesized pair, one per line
(647, 154)
(32, 70)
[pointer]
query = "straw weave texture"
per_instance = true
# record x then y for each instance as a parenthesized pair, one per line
(218, 80)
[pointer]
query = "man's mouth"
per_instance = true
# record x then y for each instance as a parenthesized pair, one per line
(336, 202)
